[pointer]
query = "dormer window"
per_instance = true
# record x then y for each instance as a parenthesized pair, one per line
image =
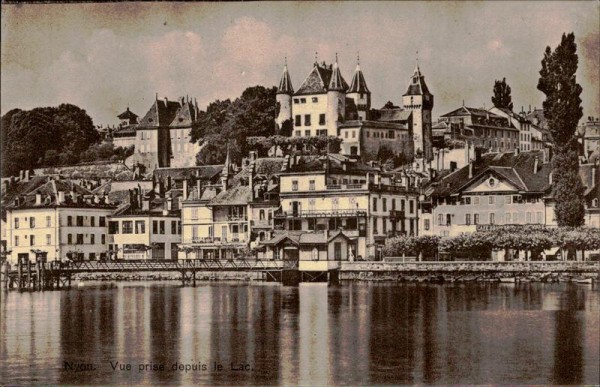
(595, 203)
(491, 182)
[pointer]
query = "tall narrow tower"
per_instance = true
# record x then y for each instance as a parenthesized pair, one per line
(360, 93)
(284, 98)
(336, 100)
(419, 100)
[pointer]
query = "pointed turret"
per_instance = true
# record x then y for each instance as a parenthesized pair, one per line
(360, 93)
(285, 85)
(284, 99)
(419, 100)
(417, 85)
(337, 82)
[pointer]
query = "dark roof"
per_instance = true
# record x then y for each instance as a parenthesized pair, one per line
(49, 192)
(417, 84)
(337, 82)
(517, 169)
(204, 172)
(318, 238)
(358, 84)
(335, 164)
(23, 187)
(285, 85)
(394, 115)
(157, 206)
(469, 111)
(318, 81)
(161, 113)
(128, 115)
(234, 196)
(372, 124)
(266, 167)
(185, 115)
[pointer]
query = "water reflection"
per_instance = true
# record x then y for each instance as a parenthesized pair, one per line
(314, 334)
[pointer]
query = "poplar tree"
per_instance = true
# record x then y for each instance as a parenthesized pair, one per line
(562, 109)
(502, 98)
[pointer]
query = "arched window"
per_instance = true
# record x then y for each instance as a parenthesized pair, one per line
(595, 203)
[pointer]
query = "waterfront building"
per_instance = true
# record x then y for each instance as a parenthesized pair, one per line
(57, 219)
(325, 104)
(163, 135)
(146, 226)
(494, 189)
(337, 193)
(222, 221)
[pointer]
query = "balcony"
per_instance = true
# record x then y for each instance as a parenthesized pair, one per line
(261, 223)
(392, 188)
(212, 241)
(321, 214)
(337, 187)
(397, 215)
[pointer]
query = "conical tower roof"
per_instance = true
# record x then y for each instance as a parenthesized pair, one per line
(337, 82)
(358, 84)
(417, 84)
(285, 85)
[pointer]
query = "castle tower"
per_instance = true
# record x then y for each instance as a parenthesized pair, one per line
(336, 100)
(360, 93)
(284, 98)
(419, 100)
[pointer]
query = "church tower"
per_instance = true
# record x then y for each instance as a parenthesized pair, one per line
(336, 100)
(419, 100)
(360, 93)
(284, 98)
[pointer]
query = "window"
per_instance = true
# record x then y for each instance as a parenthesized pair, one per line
(368, 133)
(307, 133)
(103, 239)
(374, 204)
(468, 200)
(393, 204)
(113, 227)
(448, 219)
(127, 227)
(48, 221)
(441, 219)
(155, 227)
(384, 221)
(70, 239)
(162, 227)
(194, 232)
(539, 216)
(173, 227)
(476, 219)
(345, 134)
(321, 119)
(321, 132)
(294, 185)
(32, 222)
(48, 239)
(79, 239)
(102, 221)
(411, 207)
(16, 222)
(31, 240)
(476, 200)
(492, 218)
(80, 221)
(16, 240)
(508, 199)
(298, 133)
(298, 120)
(307, 120)
(354, 134)
(529, 217)
(426, 224)
(468, 219)
(92, 239)
(375, 231)
(302, 100)
(595, 203)
(402, 205)
(312, 224)
(391, 134)
(140, 227)
(491, 199)
(384, 204)
(194, 213)
(315, 99)
(296, 101)
(92, 221)
(507, 218)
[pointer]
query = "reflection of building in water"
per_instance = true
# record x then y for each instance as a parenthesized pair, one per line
(314, 334)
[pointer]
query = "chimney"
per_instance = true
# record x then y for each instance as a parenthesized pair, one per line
(251, 181)
(27, 175)
(38, 199)
(185, 189)
(199, 187)
(550, 178)
(74, 196)
(453, 166)
(166, 102)
(145, 204)
(169, 203)
(61, 197)
(593, 176)
(535, 165)
(253, 156)
(470, 170)
(21, 175)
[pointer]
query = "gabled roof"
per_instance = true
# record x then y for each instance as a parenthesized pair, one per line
(318, 81)
(235, 196)
(285, 85)
(161, 113)
(358, 84)
(470, 111)
(417, 85)
(203, 172)
(185, 115)
(313, 238)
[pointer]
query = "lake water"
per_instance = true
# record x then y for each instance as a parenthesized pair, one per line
(314, 334)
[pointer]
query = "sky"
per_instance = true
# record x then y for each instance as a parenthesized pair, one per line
(106, 57)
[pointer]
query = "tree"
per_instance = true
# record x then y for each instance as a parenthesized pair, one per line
(502, 98)
(562, 109)
(226, 124)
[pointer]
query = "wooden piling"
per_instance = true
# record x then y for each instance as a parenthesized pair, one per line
(5, 279)
(29, 279)
(194, 277)
(20, 274)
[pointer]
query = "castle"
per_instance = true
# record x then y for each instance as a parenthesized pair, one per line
(324, 104)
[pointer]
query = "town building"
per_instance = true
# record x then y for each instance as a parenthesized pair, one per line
(325, 194)
(590, 136)
(325, 104)
(146, 226)
(57, 219)
(125, 135)
(163, 135)
(483, 129)
(494, 189)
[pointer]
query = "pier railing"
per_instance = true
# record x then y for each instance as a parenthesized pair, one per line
(172, 265)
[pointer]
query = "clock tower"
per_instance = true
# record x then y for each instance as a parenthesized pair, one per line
(419, 101)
